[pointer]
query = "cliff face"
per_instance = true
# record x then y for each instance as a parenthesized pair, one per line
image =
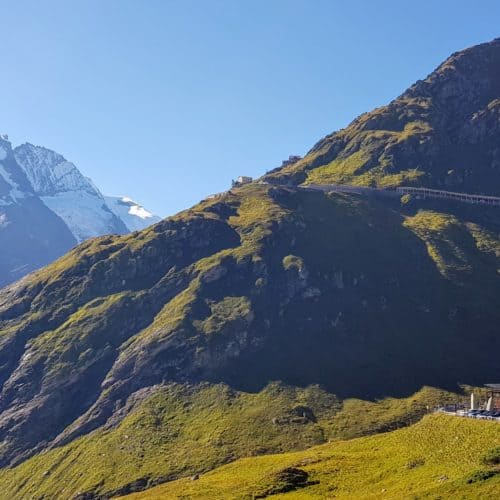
(366, 297)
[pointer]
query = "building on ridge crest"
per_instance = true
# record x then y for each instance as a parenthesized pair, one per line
(241, 180)
(291, 160)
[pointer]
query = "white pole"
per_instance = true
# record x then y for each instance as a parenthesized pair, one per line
(488, 404)
(472, 402)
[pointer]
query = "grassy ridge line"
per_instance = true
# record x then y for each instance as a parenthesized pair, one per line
(435, 458)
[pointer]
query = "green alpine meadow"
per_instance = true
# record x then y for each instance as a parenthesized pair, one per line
(313, 333)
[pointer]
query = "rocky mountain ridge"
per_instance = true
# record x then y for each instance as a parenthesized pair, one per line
(49, 173)
(440, 133)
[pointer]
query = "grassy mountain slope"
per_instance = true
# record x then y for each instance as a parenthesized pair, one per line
(335, 312)
(179, 430)
(369, 298)
(440, 457)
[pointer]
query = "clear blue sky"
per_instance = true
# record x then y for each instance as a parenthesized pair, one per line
(166, 101)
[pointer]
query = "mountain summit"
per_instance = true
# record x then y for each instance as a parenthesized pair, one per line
(442, 133)
(36, 173)
(157, 353)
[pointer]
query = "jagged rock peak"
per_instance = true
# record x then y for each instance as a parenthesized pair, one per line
(471, 76)
(50, 173)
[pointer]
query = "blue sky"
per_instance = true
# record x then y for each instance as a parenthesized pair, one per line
(166, 101)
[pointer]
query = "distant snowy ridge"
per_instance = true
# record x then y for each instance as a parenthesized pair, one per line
(31, 235)
(134, 216)
(47, 206)
(76, 199)
(86, 215)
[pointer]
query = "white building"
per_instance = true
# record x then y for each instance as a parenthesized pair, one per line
(241, 180)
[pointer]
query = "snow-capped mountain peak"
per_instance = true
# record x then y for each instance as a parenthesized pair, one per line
(68, 193)
(31, 235)
(47, 206)
(50, 173)
(75, 198)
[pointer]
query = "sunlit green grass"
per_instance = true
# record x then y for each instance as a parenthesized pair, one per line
(435, 458)
(180, 430)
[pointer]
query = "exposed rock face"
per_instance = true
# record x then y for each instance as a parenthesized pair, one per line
(363, 296)
(49, 173)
